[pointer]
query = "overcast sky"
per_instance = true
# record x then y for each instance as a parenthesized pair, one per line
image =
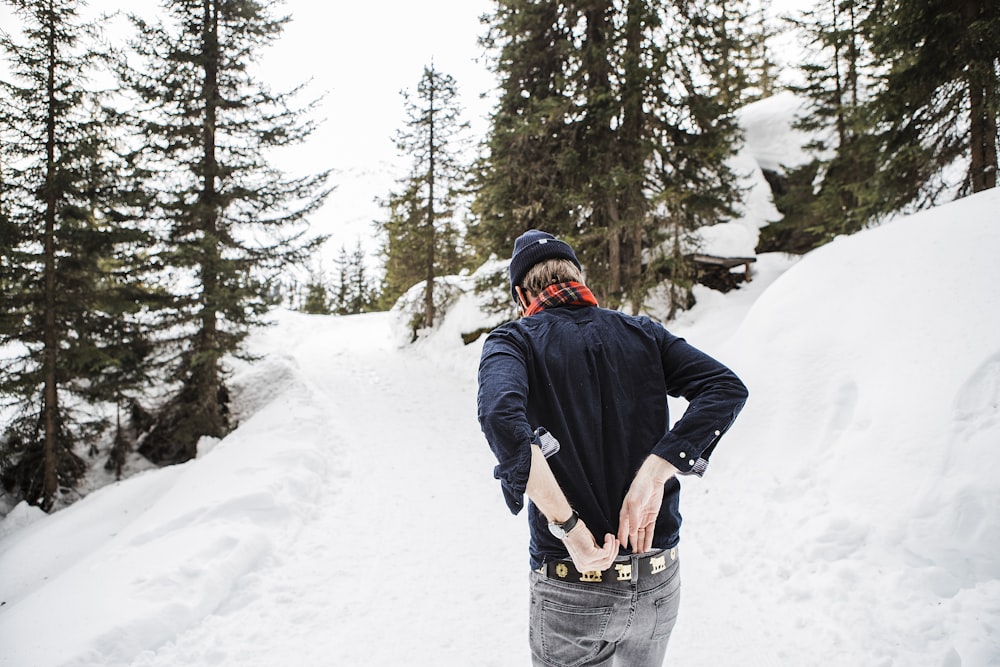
(362, 54)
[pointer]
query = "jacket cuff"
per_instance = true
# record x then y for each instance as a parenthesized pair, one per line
(680, 454)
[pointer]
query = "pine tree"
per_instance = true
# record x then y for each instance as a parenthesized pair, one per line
(525, 181)
(697, 80)
(939, 101)
(231, 220)
(317, 299)
(735, 55)
(421, 232)
(763, 70)
(341, 292)
(67, 223)
(363, 294)
(353, 291)
(613, 130)
(835, 193)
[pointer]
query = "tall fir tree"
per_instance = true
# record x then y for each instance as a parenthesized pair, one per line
(610, 131)
(763, 68)
(353, 291)
(835, 193)
(231, 220)
(317, 298)
(70, 302)
(524, 181)
(421, 234)
(939, 101)
(364, 295)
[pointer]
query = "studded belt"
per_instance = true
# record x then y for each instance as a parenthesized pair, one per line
(631, 570)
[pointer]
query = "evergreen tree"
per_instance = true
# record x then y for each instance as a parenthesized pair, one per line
(403, 245)
(363, 294)
(68, 233)
(763, 77)
(341, 293)
(613, 129)
(231, 220)
(736, 56)
(939, 101)
(421, 233)
(835, 193)
(353, 292)
(317, 300)
(525, 180)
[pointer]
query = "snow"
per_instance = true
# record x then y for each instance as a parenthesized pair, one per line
(769, 143)
(769, 134)
(851, 516)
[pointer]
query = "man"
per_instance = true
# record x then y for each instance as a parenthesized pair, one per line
(603, 515)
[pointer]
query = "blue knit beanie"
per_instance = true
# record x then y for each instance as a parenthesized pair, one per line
(533, 247)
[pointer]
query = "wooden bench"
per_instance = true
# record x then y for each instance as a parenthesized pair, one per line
(715, 271)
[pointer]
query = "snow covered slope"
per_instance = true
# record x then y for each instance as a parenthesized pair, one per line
(851, 517)
(861, 482)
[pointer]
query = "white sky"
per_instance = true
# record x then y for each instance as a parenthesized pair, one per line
(362, 54)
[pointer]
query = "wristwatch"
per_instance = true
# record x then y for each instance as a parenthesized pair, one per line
(561, 530)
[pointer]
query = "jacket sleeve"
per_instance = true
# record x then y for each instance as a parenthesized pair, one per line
(502, 401)
(715, 397)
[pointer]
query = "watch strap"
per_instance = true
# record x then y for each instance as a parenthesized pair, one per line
(566, 526)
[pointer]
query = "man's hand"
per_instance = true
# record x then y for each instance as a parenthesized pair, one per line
(544, 491)
(641, 506)
(587, 555)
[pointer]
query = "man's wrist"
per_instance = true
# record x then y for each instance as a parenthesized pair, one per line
(562, 529)
(658, 468)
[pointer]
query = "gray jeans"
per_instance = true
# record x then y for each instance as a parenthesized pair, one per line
(603, 624)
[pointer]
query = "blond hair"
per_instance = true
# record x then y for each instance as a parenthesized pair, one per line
(550, 272)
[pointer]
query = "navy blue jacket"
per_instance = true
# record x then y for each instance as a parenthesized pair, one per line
(598, 380)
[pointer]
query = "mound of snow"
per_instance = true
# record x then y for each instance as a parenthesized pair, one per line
(769, 132)
(868, 449)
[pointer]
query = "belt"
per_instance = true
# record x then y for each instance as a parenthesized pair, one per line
(631, 570)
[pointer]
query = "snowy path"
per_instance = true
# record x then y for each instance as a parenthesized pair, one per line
(406, 481)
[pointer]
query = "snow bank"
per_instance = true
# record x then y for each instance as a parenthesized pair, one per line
(770, 143)
(862, 477)
(136, 563)
(769, 135)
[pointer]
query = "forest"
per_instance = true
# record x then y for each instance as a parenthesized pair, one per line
(144, 232)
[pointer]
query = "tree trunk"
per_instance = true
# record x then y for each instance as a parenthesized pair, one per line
(981, 80)
(206, 359)
(614, 260)
(50, 402)
(990, 132)
(977, 137)
(633, 155)
(429, 276)
(839, 90)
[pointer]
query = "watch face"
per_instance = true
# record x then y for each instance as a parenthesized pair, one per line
(557, 530)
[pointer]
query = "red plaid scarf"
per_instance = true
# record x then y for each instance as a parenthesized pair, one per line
(562, 294)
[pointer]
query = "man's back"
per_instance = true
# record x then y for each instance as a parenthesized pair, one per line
(598, 380)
